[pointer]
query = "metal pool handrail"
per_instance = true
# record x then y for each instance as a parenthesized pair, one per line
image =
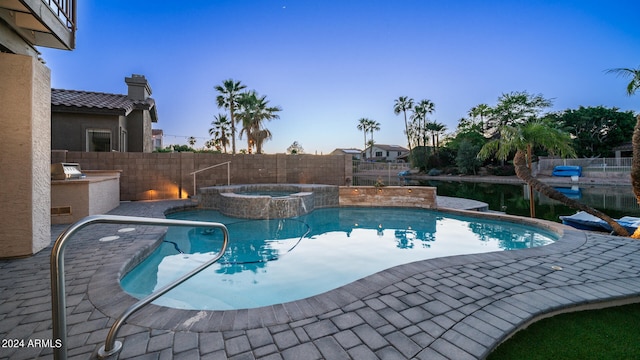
(58, 300)
(228, 163)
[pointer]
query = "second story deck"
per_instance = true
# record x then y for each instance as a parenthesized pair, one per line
(47, 23)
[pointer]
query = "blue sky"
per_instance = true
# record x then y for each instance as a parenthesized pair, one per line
(328, 63)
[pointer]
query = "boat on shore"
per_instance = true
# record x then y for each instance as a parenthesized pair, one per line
(585, 221)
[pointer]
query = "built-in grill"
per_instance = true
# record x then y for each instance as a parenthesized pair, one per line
(65, 171)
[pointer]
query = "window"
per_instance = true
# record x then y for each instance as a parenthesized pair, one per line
(399, 153)
(378, 153)
(387, 154)
(98, 140)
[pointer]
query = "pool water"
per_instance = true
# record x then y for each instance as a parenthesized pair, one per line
(280, 260)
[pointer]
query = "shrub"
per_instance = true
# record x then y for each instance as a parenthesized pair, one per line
(501, 170)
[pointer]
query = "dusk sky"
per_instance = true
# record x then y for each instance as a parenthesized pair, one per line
(329, 63)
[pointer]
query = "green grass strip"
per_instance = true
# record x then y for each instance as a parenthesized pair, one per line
(611, 333)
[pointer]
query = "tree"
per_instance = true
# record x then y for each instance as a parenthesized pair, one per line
(253, 110)
(419, 118)
(401, 105)
(632, 88)
(466, 158)
(363, 125)
(522, 138)
(373, 126)
(228, 99)
(220, 131)
(295, 148)
(467, 131)
(481, 111)
(596, 130)
(191, 140)
(435, 129)
(633, 74)
(513, 108)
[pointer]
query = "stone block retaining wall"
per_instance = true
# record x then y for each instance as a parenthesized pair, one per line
(403, 196)
(153, 176)
(302, 199)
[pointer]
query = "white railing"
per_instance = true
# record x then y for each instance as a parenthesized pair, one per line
(588, 164)
(367, 173)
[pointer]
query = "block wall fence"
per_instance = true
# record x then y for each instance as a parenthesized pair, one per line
(154, 176)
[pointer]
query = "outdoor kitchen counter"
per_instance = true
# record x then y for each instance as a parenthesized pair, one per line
(74, 199)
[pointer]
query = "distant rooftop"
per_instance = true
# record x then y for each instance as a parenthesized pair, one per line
(390, 147)
(97, 102)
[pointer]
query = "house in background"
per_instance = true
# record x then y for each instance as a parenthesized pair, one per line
(356, 154)
(389, 153)
(94, 121)
(157, 135)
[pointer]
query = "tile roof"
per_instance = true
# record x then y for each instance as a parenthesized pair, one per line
(97, 102)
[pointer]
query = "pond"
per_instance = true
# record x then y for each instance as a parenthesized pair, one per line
(615, 201)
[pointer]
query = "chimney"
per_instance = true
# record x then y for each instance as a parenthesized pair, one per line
(139, 88)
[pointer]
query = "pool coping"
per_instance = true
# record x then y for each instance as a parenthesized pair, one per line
(106, 281)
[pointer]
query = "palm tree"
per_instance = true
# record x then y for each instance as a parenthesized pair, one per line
(191, 140)
(403, 104)
(435, 129)
(420, 112)
(363, 125)
(373, 126)
(220, 130)
(522, 139)
(228, 99)
(253, 111)
(632, 88)
(481, 111)
(634, 74)
(416, 129)
(259, 137)
(370, 144)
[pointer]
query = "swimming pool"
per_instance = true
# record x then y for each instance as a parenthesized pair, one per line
(280, 260)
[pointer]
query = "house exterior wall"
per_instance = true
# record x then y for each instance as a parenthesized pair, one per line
(69, 130)
(136, 129)
(151, 176)
(147, 133)
(384, 153)
(25, 143)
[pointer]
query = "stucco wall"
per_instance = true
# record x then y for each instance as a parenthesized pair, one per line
(91, 196)
(150, 176)
(25, 150)
(69, 130)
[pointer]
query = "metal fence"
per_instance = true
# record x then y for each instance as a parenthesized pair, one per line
(368, 173)
(546, 165)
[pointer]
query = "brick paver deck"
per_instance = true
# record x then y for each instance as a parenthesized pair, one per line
(456, 307)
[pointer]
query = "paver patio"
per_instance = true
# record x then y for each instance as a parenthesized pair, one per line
(457, 307)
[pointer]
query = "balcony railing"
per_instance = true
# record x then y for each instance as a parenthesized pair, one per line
(65, 10)
(47, 23)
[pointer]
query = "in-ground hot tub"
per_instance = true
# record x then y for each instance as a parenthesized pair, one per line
(268, 201)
